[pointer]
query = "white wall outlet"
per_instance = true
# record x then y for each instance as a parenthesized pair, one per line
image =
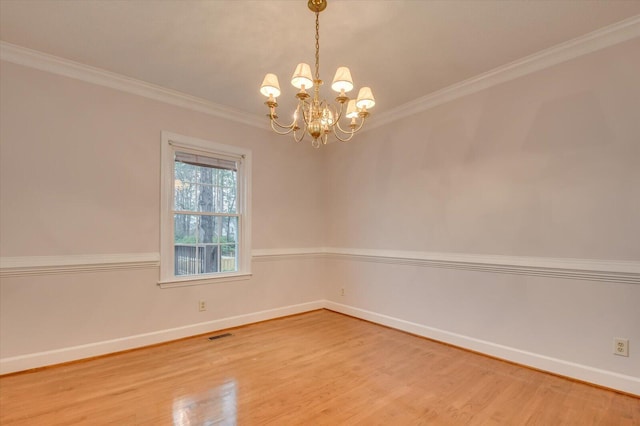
(621, 346)
(202, 305)
(342, 292)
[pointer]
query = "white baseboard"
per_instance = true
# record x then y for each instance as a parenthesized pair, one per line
(584, 373)
(58, 356)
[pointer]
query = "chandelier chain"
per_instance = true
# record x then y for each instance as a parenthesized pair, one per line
(317, 45)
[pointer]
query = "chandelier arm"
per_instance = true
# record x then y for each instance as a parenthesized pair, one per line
(339, 116)
(352, 131)
(304, 133)
(291, 128)
(296, 114)
(347, 139)
(274, 120)
(346, 132)
(303, 104)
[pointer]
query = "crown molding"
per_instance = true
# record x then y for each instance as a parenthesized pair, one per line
(588, 43)
(67, 68)
(591, 42)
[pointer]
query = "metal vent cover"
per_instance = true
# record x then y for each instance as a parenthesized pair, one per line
(220, 336)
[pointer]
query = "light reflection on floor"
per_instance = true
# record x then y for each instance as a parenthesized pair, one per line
(216, 407)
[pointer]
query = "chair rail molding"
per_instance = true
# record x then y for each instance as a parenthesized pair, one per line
(582, 269)
(266, 255)
(46, 265)
(621, 271)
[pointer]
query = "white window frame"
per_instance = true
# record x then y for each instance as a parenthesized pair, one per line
(172, 142)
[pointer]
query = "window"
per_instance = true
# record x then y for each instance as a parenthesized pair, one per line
(205, 226)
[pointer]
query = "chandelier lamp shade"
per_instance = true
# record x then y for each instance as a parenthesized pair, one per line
(313, 115)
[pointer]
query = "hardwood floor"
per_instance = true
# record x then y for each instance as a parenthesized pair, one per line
(316, 368)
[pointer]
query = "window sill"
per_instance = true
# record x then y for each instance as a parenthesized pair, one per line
(203, 280)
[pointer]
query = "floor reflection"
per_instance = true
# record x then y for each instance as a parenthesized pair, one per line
(216, 407)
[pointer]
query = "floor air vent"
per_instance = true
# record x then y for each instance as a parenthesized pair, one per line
(220, 336)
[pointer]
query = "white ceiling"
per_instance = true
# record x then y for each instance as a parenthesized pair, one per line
(220, 50)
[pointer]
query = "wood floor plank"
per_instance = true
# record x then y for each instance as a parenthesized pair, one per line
(318, 368)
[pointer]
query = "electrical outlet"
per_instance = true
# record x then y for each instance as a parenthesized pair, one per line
(342, 292)
(202, 306)
(621, 346)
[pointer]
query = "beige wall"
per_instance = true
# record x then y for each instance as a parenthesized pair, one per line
(80, 175)
(545, 165)
(81, 170)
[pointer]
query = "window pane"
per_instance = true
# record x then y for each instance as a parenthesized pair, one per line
(207, 198)
(184, 189)
(209, 231)
(228, 182)
(184, 172)
(186, 256)
(210, 255)
(185, 196)
(228, 258)
(204, 189)
(228, 196)
(209, 235)
(229, 231)
(185, 228)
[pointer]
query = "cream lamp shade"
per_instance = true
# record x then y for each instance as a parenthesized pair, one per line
(342, 80)
(302, 77)
(352, 110)
(365, 98)
(270, 86)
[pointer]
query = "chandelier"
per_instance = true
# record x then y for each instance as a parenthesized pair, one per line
(314, 116)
